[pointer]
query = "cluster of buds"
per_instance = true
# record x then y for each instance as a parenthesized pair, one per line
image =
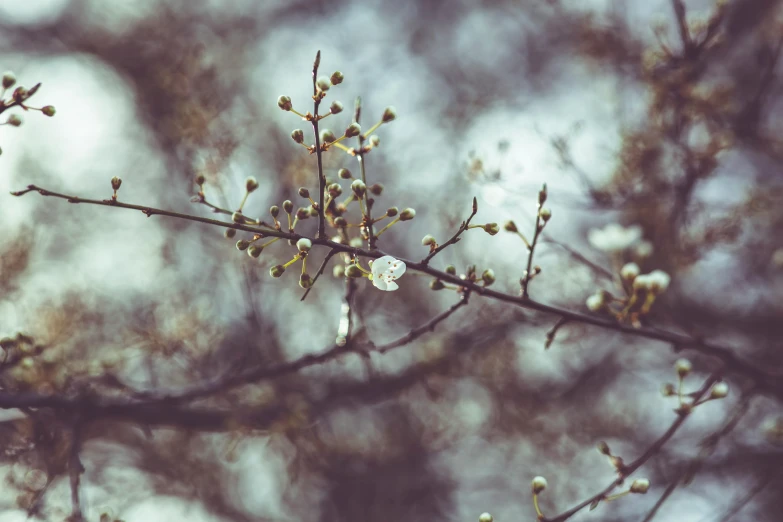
(683, 368)
(19, 97)
(641, 291)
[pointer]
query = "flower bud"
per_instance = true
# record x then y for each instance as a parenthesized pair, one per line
(338, 271)
(336, 107)
(640, 486)
(274, 210)
(354, 129)
(491, 228)
(359, 188)
(375, 140)
(451, 270)
(255, 250)
(20, 94)
(302, 214)
(284, 102)
(327, 136)
(288, 207)
(485, 517)
(353, 271)
(376, 189)
(510, 226)
(251, 184)
(545, 214)
(297, 135)
(407, 214)
(596, 302)
(719, 390)
(14, 120)
(658, 281)
(683, 367)
(538, 485)
(229, 233)
(629, 271)
(49, 110)
(488, 277)
(200, 179)
(303, 192)
(437, 284)
(340, 222)
(238, 218)
(323, 83)
(305, 281)
(542, 195)
(242, 244)
(277, 270)
(344, 174)
(334, 190)
(116, 183)
(355, 242)
(668, 390)
(337, 78)
(304, 245)
(603, 448)
(393, 211)
(9, 80)
(389, 114)
(428, 240)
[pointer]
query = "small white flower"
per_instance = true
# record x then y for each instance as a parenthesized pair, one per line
(595, 302)
(629, 271)
(614, 237)
(385, 270)
(644, 249)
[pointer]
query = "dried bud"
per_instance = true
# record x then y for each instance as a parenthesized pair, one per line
(719, 390)
(389, 114)
(344, 174)
(200, 179)
(303, 192)
(305, 281)
(428, 240)
(251, 184)
(451, 270)
(274, 210)
(242, 244)
(298, 135)
(510, 226)
(277, 270)
(337, 78)
(14, 120)
(640, 486)
(488, 277)
(284, 102)
(491, 228)
(288, 207)
(327, 136)
(336, 107)
(407, 214)
(49, 110)
(437, 284)
(304, 245)
(375, 140)
(603, 448)
(354, 129)
(340, 222)
(323, 83)
(302, 214)
(116, 183)
(229, 233)
(538, 485)
(238, 218)
(255, 251)
(545, 214)
(359, 188)
(376, 189)
(353, 271)
(9, 80)
(393, 211)
(683, 367)
(542, 194)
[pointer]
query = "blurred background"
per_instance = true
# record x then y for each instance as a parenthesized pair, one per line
(629, 113)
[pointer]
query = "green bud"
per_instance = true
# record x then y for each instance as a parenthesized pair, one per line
(376, 189)
(242, 244)
(229, 233)
(375, 140)
(334, 190)
(491, 228)
(393, 211)
(274, 210)
(323, 83)
(354, 129)
(353, 271)
(200, 179)
(510, 226)
(14, 120)
(302, 214)
(255, 251)
(277, 270)
(428, 240)
(344, 174)
(303, 192)
(298, 135)
(603, 448)
(327, 136)
(288, 207)
(304, 245)
(407, 214)
(251, 184)
(9, 80)
(389, 114)
(451, 270)
(284, 102)
(48, 110)
(336, 107)
(542, 194)
(305, 281)
(359, 188)
(437, 284)
(116, 183)
(340, 222)
(668, 390)
(545, 214)
(238, 218)
(337, 78)
(488, 277)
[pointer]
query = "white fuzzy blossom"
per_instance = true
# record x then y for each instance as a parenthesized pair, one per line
(656, 281)
(614, 237)
(385, 270)
(629, 271)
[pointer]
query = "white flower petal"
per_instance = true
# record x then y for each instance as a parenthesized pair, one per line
(392, 286)
(379, 283)
(382, 264)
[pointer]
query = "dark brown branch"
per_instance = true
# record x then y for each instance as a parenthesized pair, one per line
(455, 238)
(320, 271)
(318, 152)
(75, 469)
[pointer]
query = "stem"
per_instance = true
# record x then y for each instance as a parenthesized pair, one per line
(532, 249)
(362, 166)
(321, 179)
(381, 231)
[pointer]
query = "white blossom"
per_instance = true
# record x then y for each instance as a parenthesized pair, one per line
(630, 271)
(385, 270)
(614, 237)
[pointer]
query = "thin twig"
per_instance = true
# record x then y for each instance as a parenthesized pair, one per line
(331, 253)
(456, 237)
(528, 276)
(362, 167)
(321, 178)
(75, 469)
(550, 335)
